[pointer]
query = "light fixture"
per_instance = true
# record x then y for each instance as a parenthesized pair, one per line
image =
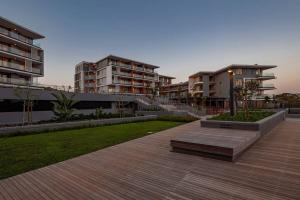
(229, 71)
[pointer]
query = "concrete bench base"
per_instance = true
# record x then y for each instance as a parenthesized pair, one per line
(216, 143)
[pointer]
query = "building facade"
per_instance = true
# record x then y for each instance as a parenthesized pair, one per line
(215, 85)
(21, 59)
(114, 74)
(176, 92)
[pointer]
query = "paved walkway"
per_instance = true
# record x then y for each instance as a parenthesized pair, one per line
(145, 169)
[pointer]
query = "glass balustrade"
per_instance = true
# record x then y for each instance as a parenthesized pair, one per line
(19, 52)
(15, 35)
(19, 67)
(15, 81)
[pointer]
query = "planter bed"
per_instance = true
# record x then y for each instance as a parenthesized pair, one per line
(263, 125)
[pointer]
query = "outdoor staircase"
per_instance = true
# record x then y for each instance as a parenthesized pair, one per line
(164, 104)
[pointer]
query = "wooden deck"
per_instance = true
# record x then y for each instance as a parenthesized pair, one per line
(146, 169)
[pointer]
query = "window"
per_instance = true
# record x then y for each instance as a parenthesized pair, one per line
(239, 71)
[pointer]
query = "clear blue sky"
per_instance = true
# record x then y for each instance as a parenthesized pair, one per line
(182, 37)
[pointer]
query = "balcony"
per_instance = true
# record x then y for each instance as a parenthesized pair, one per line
(15, 81)
(266, 76)
(139, 69)
(19, 52)
(17, 36)
(19, 67)
(138, 84)
(89, 85)
(121, 82)
(138, 76)
(265, 86)
(90, 77)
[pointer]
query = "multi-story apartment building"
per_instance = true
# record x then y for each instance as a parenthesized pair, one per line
(164, 80)
(85, 77)
(178, 91)
(215, 85)
(114, 74)
(21, 60)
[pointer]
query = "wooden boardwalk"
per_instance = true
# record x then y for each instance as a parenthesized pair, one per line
(146, 169)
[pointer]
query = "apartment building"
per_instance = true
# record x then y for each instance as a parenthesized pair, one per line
(85, 77)
(114, 74)
(178, 91)
(164, 80)
(21, 58)
(214, 85)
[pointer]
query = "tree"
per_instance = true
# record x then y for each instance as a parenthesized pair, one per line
(63, 106)
(178, 94)
(238, 95)
(267, 99)
(249, 90)
(98, 112)
(28, 96)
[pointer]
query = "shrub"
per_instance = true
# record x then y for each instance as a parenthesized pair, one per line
(177, 118)
(240, 116)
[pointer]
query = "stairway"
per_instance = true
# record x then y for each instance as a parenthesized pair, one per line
(164, 104)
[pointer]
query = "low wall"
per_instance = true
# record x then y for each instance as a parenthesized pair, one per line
(294, 110)
(162, 112)
(263, 126)
(5, 131)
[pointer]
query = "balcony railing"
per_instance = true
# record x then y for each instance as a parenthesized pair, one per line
(90, 77)
(14, 81)
(138, 84)
(149, 70)
(19, 67)
(16, 36)
(138, 76)
(266, 75)
(19, 52)
(122, 82)
(267, 85)
(36, 70)
(139, 69)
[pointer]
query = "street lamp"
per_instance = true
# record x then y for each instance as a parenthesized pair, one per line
(231, 101)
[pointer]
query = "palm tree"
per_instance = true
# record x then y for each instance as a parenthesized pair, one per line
(63, 106)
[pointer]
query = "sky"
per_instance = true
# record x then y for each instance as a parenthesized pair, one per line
(182, 37)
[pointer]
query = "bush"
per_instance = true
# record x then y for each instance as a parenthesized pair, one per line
(240, 116)
(177, 118)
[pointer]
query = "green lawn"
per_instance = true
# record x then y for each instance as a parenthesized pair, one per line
(240, 116)
(23, 153)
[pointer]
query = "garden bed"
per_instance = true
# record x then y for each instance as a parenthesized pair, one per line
(262, 122)
(241, 117)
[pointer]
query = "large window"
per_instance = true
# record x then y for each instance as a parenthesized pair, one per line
(239, 71)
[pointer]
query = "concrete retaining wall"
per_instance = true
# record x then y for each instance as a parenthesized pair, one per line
(264, 125)
(7, 118)
(163, 112)
(5, 131)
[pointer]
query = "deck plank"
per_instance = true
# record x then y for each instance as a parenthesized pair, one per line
(145, 168)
